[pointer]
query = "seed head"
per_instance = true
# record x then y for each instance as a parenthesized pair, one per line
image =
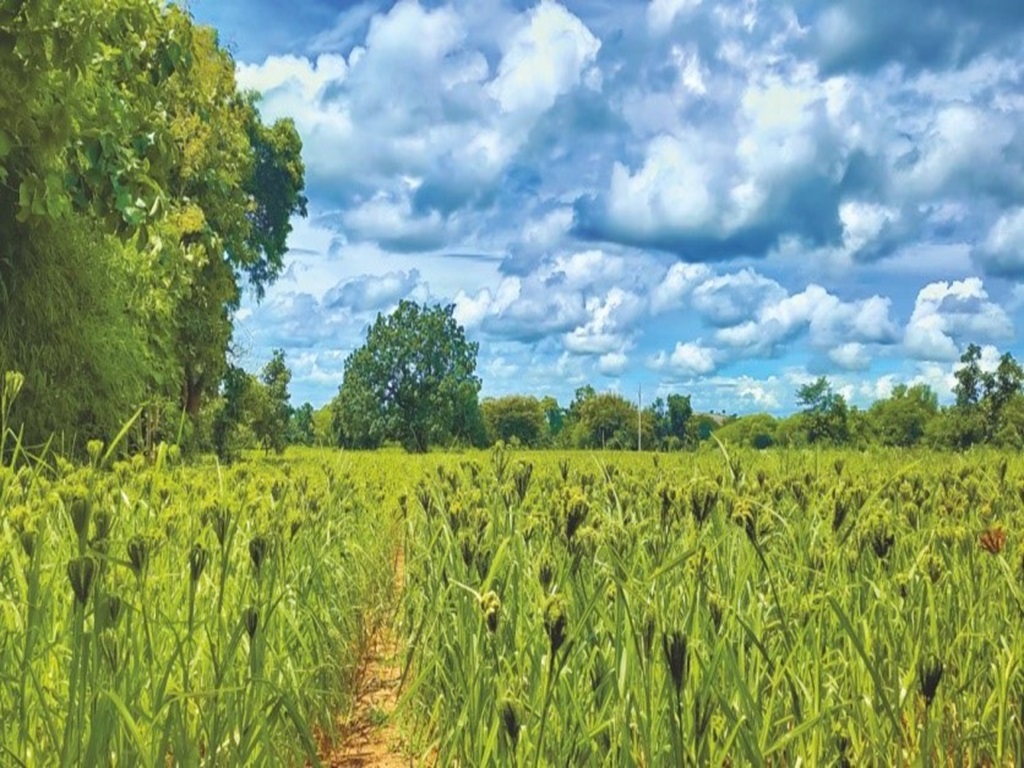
(648, 637)
(80, 573)
(929, 674)
(546, 574)
(252, 620)
(259, 547)
(197, 560)
(79, 511)
(510, 719)
(114, 607)
(676, 655)
(554, 622)
(993, 540)
(28, 542)
(490, 604)
(882, 543)
(138, 554)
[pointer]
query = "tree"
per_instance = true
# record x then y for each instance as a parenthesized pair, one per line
(413, 381)
(271, 412)
(679, 413)
(1001, 387)
(982, 398)
(902, 419)
(753, 431)
(236, 387)
(554, 414)
(515, 417)
(302, 425)
(825, 413)
(969, 378)
(608, 420)
(138, 189)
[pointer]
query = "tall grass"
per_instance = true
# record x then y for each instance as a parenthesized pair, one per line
(769, 609)
(164, 614)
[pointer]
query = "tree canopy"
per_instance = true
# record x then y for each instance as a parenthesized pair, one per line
(413, 381)
(139, 194)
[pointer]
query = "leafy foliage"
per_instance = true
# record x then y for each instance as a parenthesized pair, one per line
(515, 418)
(413, 382)
(137, 188)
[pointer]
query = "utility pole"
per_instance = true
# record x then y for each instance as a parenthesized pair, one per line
(639, 416)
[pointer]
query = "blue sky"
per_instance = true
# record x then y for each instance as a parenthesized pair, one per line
(724, 199)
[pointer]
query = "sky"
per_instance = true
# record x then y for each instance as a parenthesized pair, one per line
(723, 198)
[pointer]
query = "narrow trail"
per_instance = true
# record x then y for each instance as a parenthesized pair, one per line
(368, 737)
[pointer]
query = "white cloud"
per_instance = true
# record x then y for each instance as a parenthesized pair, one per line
(728, 299)
(372, 292)
(610, 320)
(545, 58)
(613, 363)
(387, 220)
(678, 282)
(672, 190)
(1002, 251)
(662, 13)
(851, 356)
(947, 315)
(692, 358)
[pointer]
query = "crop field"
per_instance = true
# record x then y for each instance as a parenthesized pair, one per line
(559, 608)
(165, 615)
(758, 609)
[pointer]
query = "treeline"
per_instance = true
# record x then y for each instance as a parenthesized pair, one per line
(988, 409)
(254, 412)
(140, 194)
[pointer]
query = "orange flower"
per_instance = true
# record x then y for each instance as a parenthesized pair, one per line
(993, 540)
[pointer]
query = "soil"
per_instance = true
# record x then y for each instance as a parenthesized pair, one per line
(369, 738)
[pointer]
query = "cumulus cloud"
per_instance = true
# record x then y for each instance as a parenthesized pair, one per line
(677, 283)
(740, 187)
(373, 292)
(692, 358)
(949, 315)
(866, 35)
(731, 298)
(419, 100)
(755, 315)
(772, 170)
(1002, 251)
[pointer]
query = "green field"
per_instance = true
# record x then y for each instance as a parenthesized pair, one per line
(558, 607)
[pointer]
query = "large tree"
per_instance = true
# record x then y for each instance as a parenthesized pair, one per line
(270, 419)
(139, 193)
(608, 420)
(519, 417)
(413, 382)
(824, 414)
(903, 417)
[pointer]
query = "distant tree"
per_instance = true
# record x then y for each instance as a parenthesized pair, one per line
(982, 398)
(515, 417)
(323, 427)
(679, 413)
(413, 381)
(301, 427)
(608, 420)
(902, 418)
(1000, 387)
(236, 387)
(270, 410)
(754, 431)
(969, 378)
(825, 412)
(555, 415)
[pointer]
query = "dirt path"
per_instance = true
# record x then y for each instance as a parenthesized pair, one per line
(368, 738)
